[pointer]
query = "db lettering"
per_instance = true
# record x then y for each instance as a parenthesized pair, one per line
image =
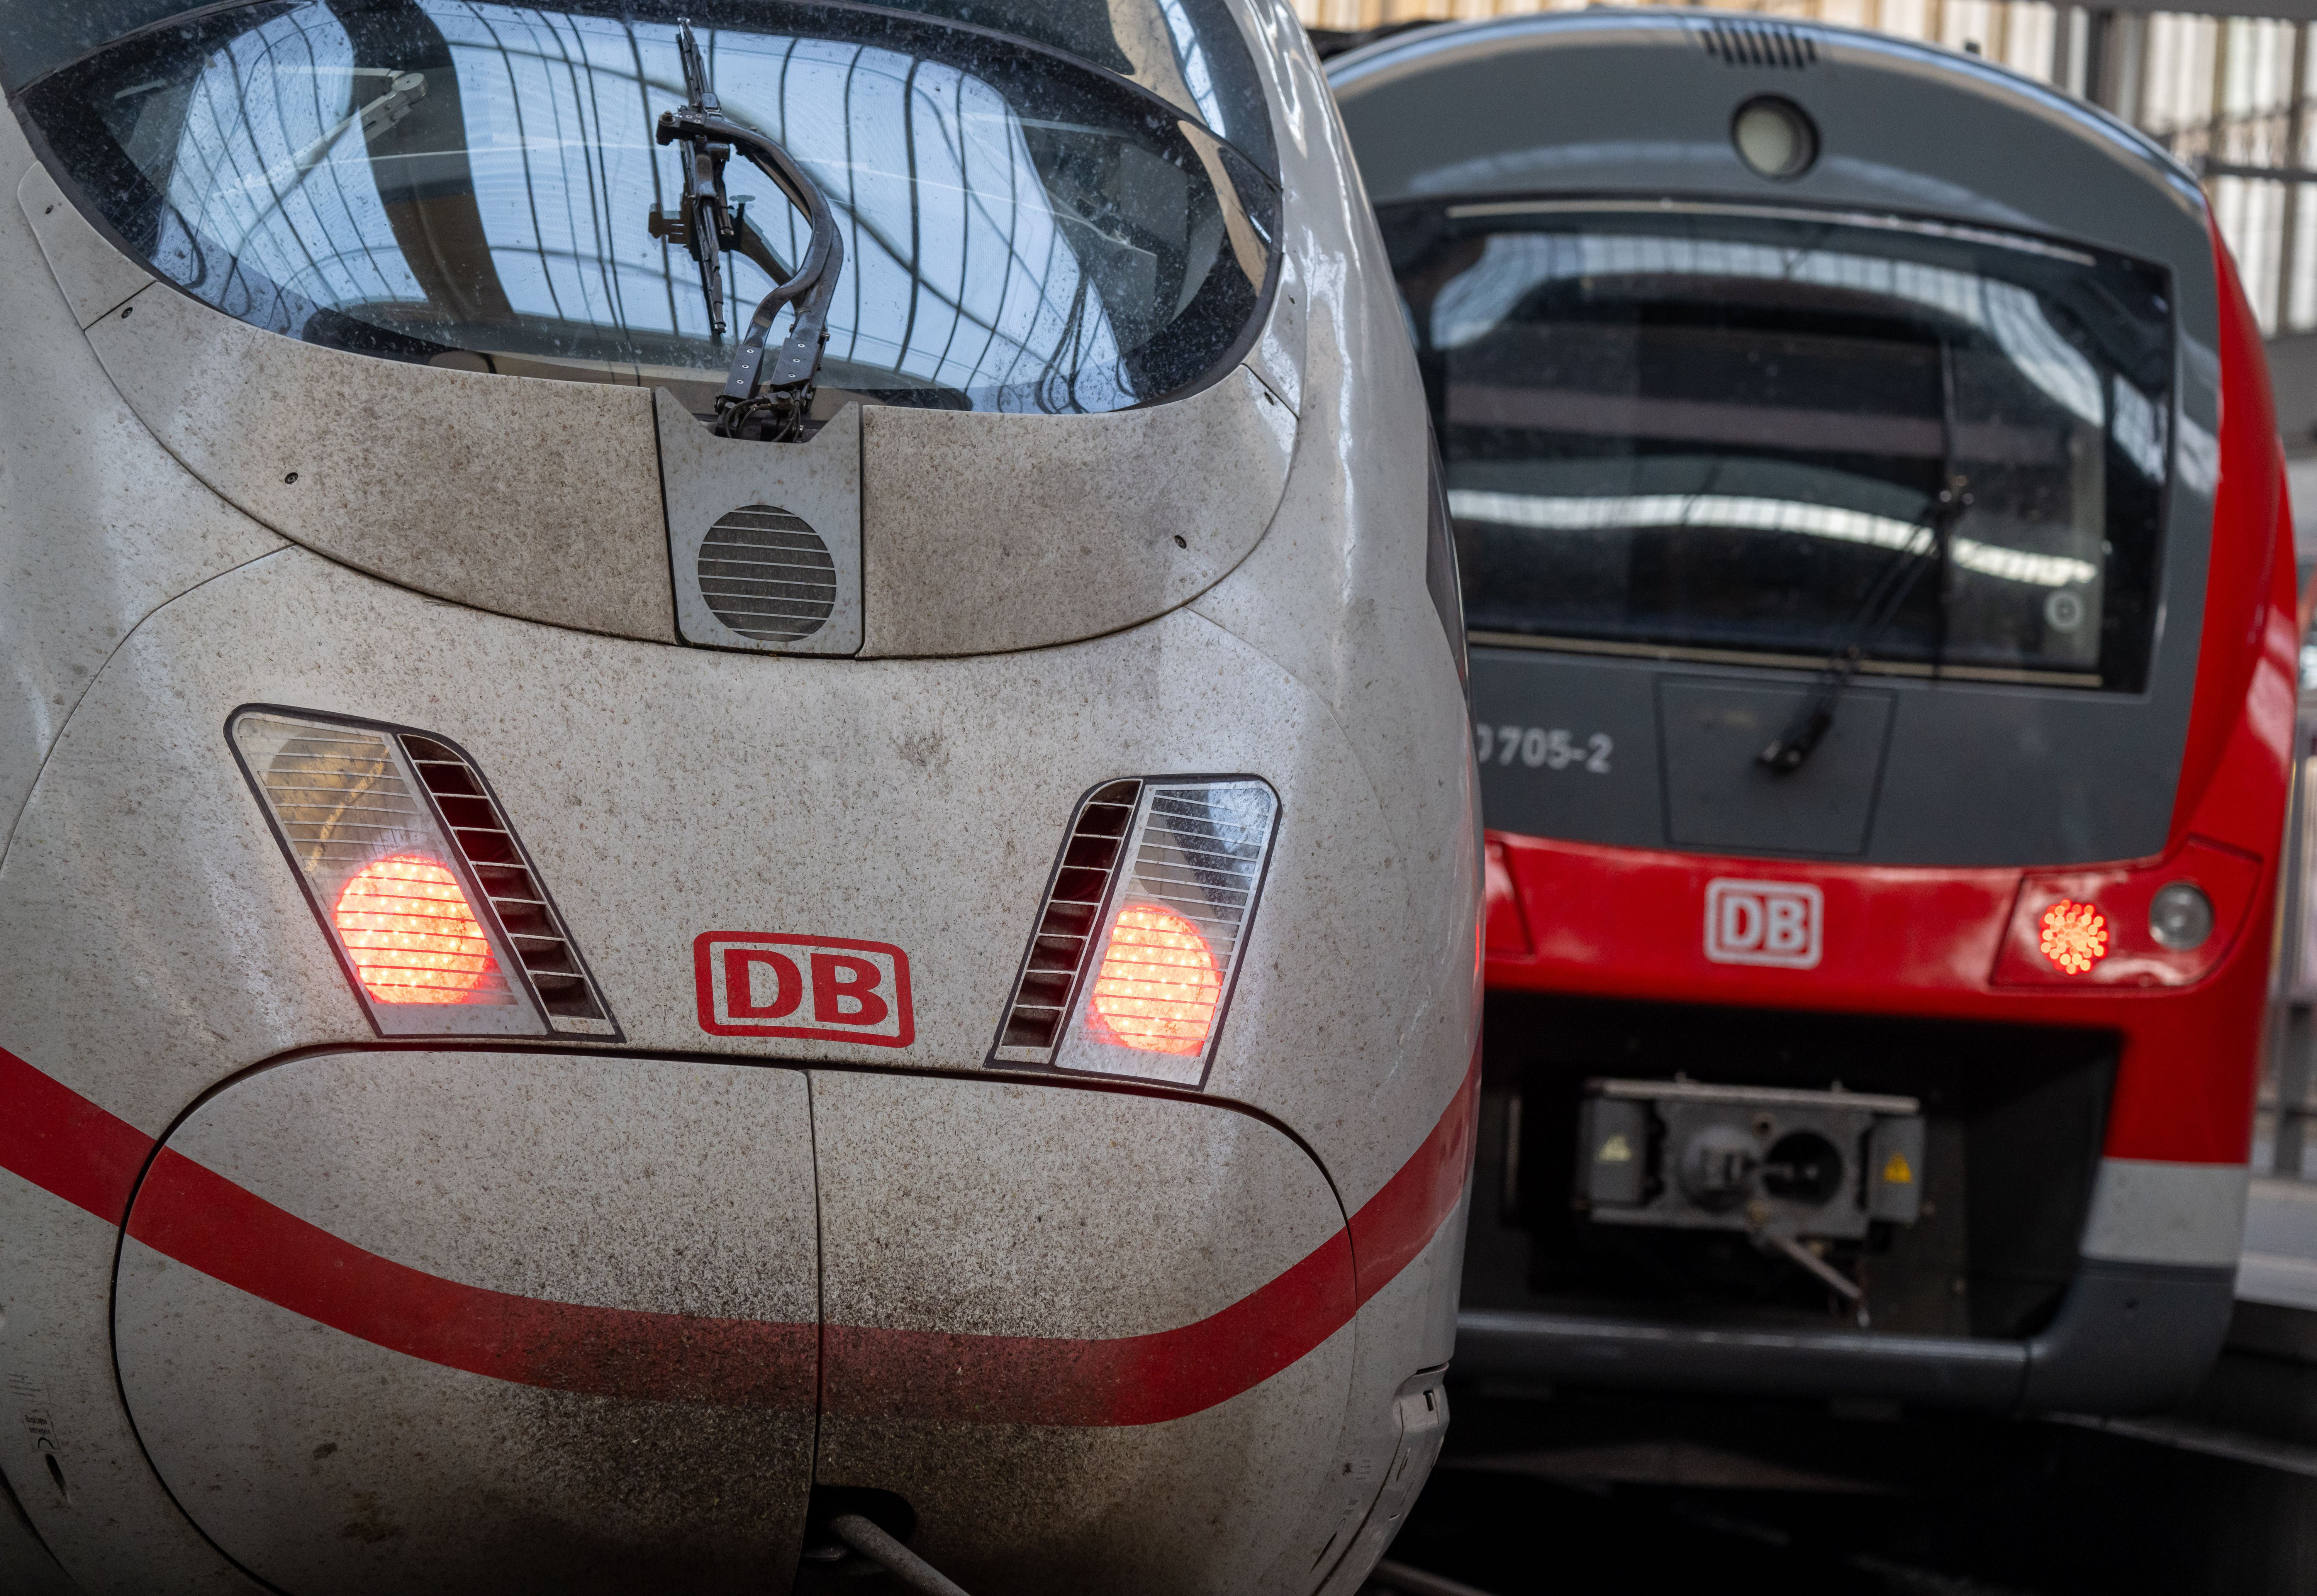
(1754, 924)
(1765, 923)
(823, 987)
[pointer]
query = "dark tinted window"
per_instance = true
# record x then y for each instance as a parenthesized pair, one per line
(473, 186)
(1187, 52)
(1707, 432)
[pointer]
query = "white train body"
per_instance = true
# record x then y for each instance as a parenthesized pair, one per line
(709, 1189)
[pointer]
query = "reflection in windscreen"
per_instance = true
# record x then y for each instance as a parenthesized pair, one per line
(477, 180)
(1727, 434)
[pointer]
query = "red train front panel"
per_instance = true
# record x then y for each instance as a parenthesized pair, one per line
(1874, 552)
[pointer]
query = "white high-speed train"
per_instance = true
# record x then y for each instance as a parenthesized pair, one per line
(739, 841)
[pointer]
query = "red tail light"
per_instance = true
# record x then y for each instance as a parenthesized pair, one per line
(2074, 935)
(2123, 927)
(1157, 986)
(410, 864)
(411, 934)
(1129, 969)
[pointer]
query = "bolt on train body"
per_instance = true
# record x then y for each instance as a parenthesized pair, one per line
(739, 834)
(1875, 556)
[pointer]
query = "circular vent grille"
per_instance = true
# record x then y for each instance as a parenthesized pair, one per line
(766, 575)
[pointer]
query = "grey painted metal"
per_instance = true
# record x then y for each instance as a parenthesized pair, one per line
(2154, 1212)
(1625, 1352)
(1608, 104)
(2128, 1338)
(1720, 798)
(2279, 1267)
(986, 532)
(981, 1204)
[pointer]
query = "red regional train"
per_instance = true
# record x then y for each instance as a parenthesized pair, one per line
(1879, 580)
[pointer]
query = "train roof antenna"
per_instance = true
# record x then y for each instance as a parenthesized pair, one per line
(755, 403)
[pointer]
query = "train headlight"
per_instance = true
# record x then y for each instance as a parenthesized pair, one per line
(2180, 916)
(410, 865)
(1775, 137)
(1131, 967)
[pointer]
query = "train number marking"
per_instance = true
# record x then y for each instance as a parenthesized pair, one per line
(1554, 748)
(1771, 922)
(826, 988)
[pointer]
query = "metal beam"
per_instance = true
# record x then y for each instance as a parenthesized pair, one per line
(2204, 169)
(2290, 10)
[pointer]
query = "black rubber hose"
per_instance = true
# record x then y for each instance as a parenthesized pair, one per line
(865, 1537)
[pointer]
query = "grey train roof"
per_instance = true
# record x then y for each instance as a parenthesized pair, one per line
(1639, 106)
(1640, 101)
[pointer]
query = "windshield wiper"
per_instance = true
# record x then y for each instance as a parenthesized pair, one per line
(754, 404)
(1785, 753)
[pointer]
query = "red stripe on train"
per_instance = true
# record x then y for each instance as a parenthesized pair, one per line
(204, 1221)
(63, 1144)
(1134, 1379)
(68, 1146)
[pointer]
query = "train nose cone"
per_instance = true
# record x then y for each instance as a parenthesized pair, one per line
(483, 1322)
(1718, 1167)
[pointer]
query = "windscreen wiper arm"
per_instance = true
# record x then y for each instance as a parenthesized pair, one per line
(755, 403)
(1884, 601)
(1785, 753)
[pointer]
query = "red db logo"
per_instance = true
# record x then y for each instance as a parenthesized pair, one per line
(823, 987)
(1774, 923)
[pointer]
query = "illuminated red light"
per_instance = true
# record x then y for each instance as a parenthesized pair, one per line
(1157, 988)
(413, 937)
(2074, 935)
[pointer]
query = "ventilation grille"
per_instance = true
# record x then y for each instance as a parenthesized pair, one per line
(766, 575)
(533, 928)
(1067, 927)
(1748, 43)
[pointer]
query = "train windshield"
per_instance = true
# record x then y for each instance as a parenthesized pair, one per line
(1059, 207)
(1711, 433)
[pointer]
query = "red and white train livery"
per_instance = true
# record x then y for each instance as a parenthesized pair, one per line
(1875, 552)
(738, 839)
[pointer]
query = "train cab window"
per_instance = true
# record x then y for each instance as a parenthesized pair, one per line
(1711, 433)
(1045, 207)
